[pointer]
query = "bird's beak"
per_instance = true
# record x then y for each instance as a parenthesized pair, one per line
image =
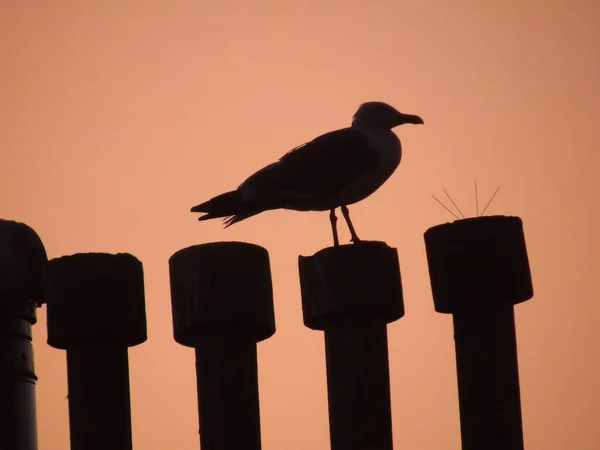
(409, 118)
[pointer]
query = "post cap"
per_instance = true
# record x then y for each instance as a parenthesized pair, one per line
(356, 279)
(478, 263)
(23, 271)
(221, 288)
(96, 298)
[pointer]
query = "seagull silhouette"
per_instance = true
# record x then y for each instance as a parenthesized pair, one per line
(332, 171)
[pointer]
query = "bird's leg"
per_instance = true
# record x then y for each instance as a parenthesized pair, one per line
(346, 214)
(333, 219)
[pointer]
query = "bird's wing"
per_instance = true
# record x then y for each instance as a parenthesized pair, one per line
(317, 169)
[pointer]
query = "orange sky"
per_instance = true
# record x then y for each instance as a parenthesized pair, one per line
(116, 117)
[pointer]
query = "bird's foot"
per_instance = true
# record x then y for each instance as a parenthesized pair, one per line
(346, 214)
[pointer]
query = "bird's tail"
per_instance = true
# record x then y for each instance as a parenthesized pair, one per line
(229, 205)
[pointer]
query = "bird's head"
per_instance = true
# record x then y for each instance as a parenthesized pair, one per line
(383, 116)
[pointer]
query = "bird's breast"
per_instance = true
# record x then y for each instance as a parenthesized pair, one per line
(390, 152)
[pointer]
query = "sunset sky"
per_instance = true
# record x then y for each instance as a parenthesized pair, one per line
(117, 116)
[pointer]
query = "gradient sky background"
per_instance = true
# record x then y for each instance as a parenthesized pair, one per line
(116, 117)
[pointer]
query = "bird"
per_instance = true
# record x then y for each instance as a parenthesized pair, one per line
(334, 170)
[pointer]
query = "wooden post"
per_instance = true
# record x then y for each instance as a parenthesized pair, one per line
(96, 310)
(222, 302)
(479, 270)
(352, 292)
(23, 288)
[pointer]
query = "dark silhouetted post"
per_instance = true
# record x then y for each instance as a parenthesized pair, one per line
(23, 287)
(222, 301)
(96, 310)
(479, 270)
(352, 292)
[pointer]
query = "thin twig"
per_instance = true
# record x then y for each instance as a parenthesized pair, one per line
(447, 209)
(486, 206)
(459, 211)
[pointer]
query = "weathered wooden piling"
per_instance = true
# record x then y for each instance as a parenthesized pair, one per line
(23, 288)
(222, 302)
(96, 310)
(479, 270)
(352, 292)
